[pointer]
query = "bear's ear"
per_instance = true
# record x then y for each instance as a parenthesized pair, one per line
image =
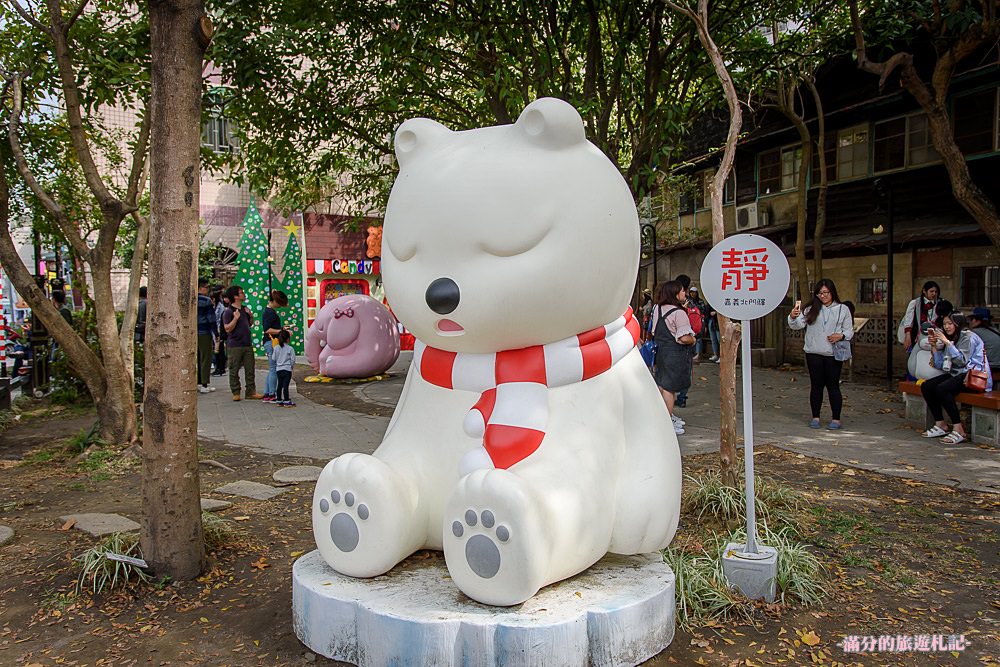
(415, 135)
(551, 123)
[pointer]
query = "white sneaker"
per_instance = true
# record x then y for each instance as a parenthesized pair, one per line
(203, 390)
(677, 420)
(718, 359)
(713, 358)
(678, 429)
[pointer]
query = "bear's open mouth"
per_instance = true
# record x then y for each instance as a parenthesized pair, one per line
(448, 327)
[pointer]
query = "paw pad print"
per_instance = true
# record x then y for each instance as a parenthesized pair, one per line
(485, 540)
(344, 529)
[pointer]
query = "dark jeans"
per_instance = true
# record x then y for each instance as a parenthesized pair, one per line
(939, 392)
(241, 357)
(220, 359)
(204, 359)
(824, 373)
(284, 379)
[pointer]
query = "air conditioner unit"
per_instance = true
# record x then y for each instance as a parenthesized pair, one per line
(750, 216)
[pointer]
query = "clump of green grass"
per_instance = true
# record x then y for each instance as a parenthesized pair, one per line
(65, 395)
(80, 442)
(801, 577)
(7, 419)
(98, 574)
(702, 592)
(218, 532)
(707, 496)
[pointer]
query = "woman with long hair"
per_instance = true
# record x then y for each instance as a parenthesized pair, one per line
(674, 338)
(925, 309)
(961, 352)
(270, 322)
(826, 321)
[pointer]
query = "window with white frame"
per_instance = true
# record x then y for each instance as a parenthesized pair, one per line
(791, 159)
(902, 142)
(218, 133)
(778, 169)
(852, 152)
(980, 286)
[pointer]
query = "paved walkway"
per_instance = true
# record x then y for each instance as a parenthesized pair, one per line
(308, 430)
(874, 437)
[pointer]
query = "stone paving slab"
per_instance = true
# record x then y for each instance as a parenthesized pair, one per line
(97, 524)
(297, 474)
(213, 505)
(6, 535)
(248, 489)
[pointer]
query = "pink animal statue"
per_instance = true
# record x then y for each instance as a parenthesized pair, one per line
(353, 336)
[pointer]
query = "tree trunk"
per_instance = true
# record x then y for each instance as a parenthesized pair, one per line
(172, 539)
(729, 345)
(966, 192)
(824, 184)
(728, 330)
(116, 408)
(802, 210)
(127, 333)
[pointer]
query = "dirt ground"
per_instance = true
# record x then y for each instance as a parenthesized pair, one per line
(904, 557)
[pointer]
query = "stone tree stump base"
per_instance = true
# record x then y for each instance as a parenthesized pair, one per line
(619, 612)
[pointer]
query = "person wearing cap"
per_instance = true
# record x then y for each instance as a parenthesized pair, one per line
(980, 321)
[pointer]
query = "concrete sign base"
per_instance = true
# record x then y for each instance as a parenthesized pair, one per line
(753, 575)
(618, 612)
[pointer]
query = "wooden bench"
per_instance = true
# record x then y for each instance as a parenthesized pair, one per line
(985, 408)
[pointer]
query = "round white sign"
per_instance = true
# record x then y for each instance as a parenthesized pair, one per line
(744, 277)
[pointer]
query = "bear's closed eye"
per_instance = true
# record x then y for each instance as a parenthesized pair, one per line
(510, 246)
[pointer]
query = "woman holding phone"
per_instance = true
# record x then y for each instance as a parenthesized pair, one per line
(826, 321)
(961, 351)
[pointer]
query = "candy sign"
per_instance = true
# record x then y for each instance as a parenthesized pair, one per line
(745, 277)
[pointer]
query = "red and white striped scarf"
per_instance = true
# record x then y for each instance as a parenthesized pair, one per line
(512, 411)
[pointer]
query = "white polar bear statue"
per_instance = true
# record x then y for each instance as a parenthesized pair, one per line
(530, 439)
(919, 362)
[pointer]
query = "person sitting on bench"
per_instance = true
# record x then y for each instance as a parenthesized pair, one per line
(962, 351)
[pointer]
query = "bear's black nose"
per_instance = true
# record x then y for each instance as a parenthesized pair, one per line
(442, 296)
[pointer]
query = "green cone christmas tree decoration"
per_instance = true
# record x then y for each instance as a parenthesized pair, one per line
(253, 270)
(291, 280)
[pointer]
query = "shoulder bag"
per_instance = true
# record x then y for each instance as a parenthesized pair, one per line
(976, 380)
(842, 348)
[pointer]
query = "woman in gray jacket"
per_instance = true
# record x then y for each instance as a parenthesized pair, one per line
(961, 351)
(826, 321)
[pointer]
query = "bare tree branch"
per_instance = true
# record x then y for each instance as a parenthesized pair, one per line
(138, 164)
(76, 14)
(70, 231)
(81, 356)
(78, 133)
(35, 23)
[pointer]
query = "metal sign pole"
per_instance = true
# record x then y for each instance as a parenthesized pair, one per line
(748, 486)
